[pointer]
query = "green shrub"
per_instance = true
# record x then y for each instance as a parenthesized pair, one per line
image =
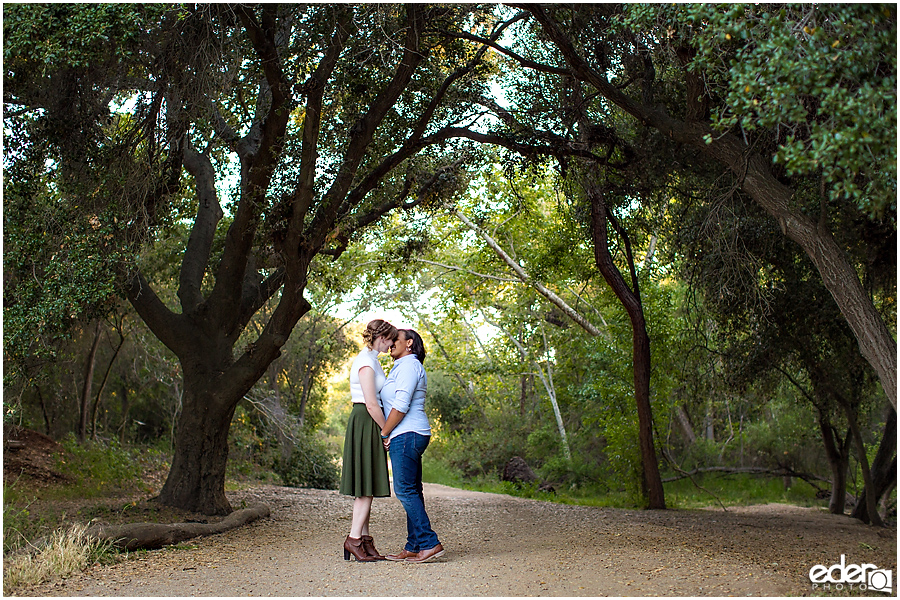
(18, 520)
(311, 465)
(580, 473)
(702, 453)
(624, 454)
(787, 437)
(482, 452)
(545, 443)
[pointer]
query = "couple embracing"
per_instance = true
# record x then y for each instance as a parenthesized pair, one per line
(388, 415)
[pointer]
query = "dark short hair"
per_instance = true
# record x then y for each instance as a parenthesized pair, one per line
(418, 346)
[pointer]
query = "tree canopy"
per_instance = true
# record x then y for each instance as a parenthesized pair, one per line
(229, 170)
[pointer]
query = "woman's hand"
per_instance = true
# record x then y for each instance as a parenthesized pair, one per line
(392, 421)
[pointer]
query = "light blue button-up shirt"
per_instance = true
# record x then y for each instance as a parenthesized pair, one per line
(405, 390)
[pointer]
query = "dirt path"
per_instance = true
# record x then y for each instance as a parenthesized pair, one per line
(498, 546)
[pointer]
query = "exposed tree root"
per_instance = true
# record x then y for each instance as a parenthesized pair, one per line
(150, 536)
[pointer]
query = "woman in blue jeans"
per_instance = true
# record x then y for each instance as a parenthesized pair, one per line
(406, 434)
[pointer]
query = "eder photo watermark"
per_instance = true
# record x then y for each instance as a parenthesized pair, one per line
(838, 577)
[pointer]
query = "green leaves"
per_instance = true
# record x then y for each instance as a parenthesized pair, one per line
(59, 265)
(817, 81)
(73, 35)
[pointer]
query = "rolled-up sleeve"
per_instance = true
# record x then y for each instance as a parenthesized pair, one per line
(405, 391)
(407, 380)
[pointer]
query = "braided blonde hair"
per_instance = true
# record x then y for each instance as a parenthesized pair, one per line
(376, 329)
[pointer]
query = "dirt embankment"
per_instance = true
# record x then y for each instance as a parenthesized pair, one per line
(498, 546)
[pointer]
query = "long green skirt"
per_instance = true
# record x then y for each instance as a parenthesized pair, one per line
(364, 472)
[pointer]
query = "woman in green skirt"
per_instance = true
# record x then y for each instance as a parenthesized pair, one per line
(364, 474)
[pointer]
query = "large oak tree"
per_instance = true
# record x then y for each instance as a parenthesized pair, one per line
(279, 132)
(790, 90)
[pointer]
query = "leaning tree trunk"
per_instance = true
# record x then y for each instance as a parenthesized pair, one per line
(631, 300)
(876, 343)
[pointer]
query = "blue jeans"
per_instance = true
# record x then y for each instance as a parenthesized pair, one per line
(406, 462)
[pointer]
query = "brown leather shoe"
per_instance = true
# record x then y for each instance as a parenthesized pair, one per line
(426, 555)
(402, 555)
(355, 547)
(369, 546)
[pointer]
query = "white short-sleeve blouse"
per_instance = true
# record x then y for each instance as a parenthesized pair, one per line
(366, 358)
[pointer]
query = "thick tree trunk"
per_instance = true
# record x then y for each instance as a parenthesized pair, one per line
(641, 353)
(883, 469)
(196, 480)
(836, 450)
(214, 382)
(204, 333)
(630, 299)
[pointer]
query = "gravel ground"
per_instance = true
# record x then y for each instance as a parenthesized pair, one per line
(498, 545)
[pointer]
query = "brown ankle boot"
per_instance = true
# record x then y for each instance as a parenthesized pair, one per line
(369, 545)
(355, 547)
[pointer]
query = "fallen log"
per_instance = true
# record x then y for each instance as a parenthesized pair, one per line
(150, 536)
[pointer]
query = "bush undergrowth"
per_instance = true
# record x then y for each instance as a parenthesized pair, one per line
(730, 490)
(311, 464)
